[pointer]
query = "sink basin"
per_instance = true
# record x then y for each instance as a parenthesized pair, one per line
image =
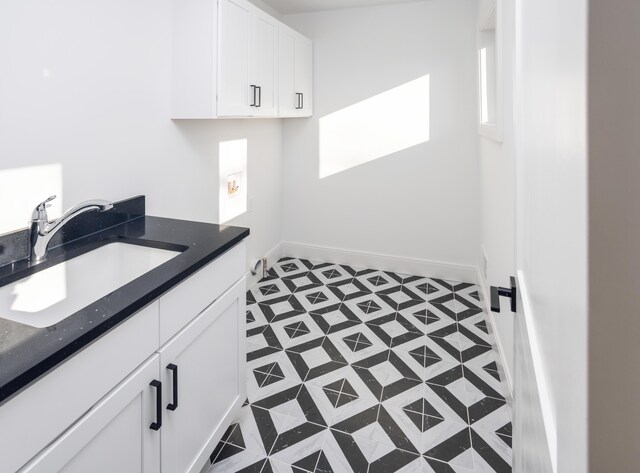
(53, 294)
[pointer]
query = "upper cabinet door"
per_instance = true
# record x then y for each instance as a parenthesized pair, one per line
(288, 98)
(234, 33)
(295, 73)
(263, 73)
(304, 75)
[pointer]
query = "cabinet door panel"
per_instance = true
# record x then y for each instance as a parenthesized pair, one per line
(113, 436)
(304, 74)
(233, 58)
(263, 63)
(209, 356)
(287, 72)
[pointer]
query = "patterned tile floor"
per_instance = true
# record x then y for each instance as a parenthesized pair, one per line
(358, 370)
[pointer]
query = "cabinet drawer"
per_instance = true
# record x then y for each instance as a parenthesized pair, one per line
(183, 303)
(42, 412)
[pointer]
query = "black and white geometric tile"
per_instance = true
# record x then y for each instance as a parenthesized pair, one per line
(359, 370)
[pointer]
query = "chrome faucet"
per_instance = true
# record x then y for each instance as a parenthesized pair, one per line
(41, 231)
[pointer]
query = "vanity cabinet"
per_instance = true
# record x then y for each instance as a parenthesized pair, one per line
(169, 410)
(295, 73)
(33, 419)
(226, 62)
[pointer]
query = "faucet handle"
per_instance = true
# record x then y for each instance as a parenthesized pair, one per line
(40, 212)
(42, 205)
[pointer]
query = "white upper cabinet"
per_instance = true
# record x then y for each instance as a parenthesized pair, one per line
(226, 62)
(304, 75)
(288, 99)
(296, 73)
(234, 47)
(263, 67)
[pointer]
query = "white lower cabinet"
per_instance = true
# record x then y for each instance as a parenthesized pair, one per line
(168, 415)
(201, 401)
(114, 436)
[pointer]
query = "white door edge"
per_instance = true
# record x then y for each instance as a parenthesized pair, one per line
(548, 416)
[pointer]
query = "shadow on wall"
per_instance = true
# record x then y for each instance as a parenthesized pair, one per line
(384, 124)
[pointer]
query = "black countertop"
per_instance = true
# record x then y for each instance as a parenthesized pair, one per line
(27, 353)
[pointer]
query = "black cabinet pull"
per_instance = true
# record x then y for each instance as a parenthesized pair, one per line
(301, 101)
(158, 423)
(259, 96)
(172, 406)
(255, 88)
(511, 293)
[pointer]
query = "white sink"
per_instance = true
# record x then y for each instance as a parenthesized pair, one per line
(53, 294)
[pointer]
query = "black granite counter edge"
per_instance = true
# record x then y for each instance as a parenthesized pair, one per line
(12, 387)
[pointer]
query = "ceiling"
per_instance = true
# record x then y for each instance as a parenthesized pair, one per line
(301, 6)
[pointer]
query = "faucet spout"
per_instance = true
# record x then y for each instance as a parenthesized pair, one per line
(42, 231)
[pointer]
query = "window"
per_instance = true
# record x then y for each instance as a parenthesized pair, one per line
(489, 70)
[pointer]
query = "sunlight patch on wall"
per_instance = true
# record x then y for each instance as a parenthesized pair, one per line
(233, 179)
(376, 127)
(21, 189)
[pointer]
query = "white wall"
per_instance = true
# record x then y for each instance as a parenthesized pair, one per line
(614, 233)
(498, 193)
(422, 202)
(552, 213)
(87, 85)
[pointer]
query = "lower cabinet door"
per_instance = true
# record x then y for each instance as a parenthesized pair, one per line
(203, 381)
(113, 436)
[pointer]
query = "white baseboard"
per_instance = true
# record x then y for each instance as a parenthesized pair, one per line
(400, 264)
(503, 367)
